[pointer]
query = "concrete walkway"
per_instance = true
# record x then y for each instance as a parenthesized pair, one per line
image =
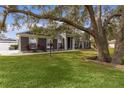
(33, 53)
(9, 52)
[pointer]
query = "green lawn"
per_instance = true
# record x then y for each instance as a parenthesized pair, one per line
(60, 70)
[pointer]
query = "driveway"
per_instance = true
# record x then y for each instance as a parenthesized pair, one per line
(9, 52)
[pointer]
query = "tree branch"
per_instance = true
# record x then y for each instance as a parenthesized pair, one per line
(2, 26)
(106, 22)
(92, 15)
(48, 16)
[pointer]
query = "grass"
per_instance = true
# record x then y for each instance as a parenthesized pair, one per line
(60, 70)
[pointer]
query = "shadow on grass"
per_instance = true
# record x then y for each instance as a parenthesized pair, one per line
(56, 74)
(35, 74)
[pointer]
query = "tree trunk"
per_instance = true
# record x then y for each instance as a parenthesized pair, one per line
(119, 47)
(118, 52)
(101, 39)
(102, 48)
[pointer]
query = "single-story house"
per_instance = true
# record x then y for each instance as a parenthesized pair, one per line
(29, 41)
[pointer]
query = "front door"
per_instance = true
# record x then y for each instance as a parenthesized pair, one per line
(69, 42)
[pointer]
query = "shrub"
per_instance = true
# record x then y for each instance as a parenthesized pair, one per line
(13, 47)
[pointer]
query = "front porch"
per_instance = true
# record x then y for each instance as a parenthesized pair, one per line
(29, 42)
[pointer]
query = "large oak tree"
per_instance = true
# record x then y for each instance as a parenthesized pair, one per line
(93, 20)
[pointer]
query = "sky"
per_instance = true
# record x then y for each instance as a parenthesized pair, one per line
(12, 33)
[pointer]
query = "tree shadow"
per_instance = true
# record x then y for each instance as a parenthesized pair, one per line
(56, 74)
(53, 73)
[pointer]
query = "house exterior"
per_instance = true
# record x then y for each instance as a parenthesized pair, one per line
(6, 46)
(112, 43)
(6, 43)
(28, 42)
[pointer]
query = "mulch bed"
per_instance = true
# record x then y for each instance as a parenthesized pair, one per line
(94, 59)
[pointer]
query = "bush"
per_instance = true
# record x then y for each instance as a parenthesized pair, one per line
(13, 47)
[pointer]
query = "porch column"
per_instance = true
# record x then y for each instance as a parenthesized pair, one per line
(57, 44)
(83, 46)
(73, 42)
(19, 43)
(65, 40)
(65, 43)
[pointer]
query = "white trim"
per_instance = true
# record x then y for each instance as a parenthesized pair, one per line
(29, 35)
(35, 42)
(19, 43)
(73, 43)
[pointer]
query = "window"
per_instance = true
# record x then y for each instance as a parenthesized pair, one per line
(32, 43)
(48, 43)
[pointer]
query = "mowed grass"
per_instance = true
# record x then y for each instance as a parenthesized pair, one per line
(61, 70)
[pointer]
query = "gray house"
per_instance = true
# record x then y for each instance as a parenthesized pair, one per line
(28, 42)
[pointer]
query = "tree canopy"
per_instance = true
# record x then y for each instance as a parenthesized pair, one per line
(93, 20)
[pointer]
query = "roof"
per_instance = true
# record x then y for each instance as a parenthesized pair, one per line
(7, 40)
(30, 33)
(27, 32)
